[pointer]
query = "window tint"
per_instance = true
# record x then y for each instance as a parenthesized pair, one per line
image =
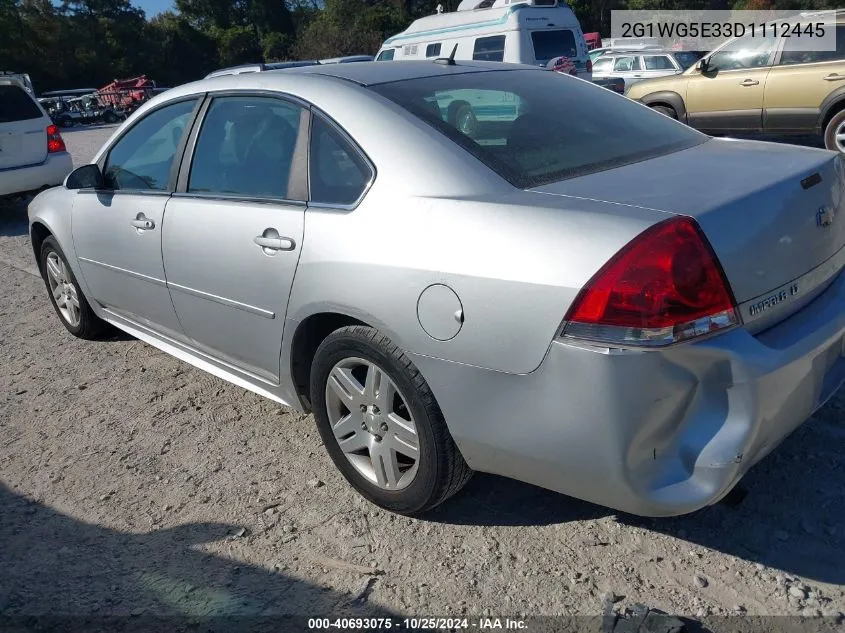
(625, 64)
(550, 44)
(743, 53)
(432, 50)
(603, 65)
(17, 105)
(246, 147)
(386, 55)
(520, 134)
(489, 49)
(658, 62)
(338, 173)
(141, 159)
(687, 58)
(791, 56)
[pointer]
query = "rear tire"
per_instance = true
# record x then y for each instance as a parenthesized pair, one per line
(462, 118)
(65, 294)
(670, 112)
(835, 127)
(349, 416)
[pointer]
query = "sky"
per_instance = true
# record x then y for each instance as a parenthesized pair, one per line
(153, 7)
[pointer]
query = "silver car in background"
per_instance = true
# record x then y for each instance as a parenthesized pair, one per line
(637, 65)
(608, 304)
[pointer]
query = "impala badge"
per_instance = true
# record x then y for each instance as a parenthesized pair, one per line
(824, 216)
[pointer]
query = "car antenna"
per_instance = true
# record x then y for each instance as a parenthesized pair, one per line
(448, 61)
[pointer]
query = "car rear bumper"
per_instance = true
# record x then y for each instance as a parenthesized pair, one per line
(50, 173)
(650, 433)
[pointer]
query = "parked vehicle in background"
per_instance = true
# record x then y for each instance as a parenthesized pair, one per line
(531, 32)
(32, 152)
(758, 86)
(72, 108)
(593, 40)
(616, 84)
(124, 96)
(583, 294)
(634, 66)
(22, 78)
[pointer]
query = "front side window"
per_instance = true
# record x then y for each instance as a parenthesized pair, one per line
(386, 55)
(658, 62)
(530, 143)
(742, 54)
(603, 65)
(791, 56)
(142, 158)
(246, 148)
(432, 50)
(338, 173)
(626, 64)
(489, 49)
(551, 44)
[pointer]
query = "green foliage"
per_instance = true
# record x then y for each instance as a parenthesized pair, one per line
(88, 43)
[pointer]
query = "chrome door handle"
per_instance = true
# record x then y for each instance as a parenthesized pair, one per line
(275, 243)
(834, 77)
(749, 82)
(142, 223)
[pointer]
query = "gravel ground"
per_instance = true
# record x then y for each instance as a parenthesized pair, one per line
(132, 483)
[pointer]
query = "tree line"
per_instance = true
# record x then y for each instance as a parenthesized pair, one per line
(88, 43)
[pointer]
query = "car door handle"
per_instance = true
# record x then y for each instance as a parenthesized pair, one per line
(749, 82)
(834, 77)
(275, 243)
(142, 223)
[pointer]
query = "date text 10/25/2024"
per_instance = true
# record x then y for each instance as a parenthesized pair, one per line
(416, 624)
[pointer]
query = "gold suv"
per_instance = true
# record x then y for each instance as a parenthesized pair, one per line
(758, 86)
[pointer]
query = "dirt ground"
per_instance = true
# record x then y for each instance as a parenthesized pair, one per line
(132, 483)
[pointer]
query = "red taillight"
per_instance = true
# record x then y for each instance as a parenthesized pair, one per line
(589, 65)
(55, 142)
(664, 286)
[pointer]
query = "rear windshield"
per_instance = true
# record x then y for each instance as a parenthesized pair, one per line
(551, 44)
(17, 105)
(536, 126)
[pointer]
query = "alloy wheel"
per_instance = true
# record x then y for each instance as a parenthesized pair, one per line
(63, 289)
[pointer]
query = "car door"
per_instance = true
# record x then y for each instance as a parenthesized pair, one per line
(728, 96)
(117, 231)
(233, 231)
(799, 82)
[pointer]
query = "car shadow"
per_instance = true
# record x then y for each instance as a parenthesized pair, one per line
(13, 218)
(63, 574)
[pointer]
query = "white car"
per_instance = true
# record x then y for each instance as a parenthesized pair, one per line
(32, 152)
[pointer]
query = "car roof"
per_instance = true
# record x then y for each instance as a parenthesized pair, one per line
(373, 73)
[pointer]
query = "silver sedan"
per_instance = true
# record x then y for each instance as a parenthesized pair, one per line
(572, 290)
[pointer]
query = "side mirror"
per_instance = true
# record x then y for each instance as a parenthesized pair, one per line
(85, 177)
(702, 65)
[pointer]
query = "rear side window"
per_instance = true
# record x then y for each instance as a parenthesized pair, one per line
(489, 49)
(791, 56)
(142, 158)
(432, 50)
(386, 55)
(510, 121)
(17, 105)
(658, 62)
(338, 172)
(246, 148)
(551, 44)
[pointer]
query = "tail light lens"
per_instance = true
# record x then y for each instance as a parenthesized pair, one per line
(589, 65)
(663, 287)
(55, 142)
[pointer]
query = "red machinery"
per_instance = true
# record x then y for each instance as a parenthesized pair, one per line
(126, 94)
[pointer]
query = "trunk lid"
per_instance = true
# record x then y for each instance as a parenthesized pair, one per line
(23, 128)
(771, 212)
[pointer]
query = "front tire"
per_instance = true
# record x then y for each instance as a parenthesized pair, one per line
(670, 112)
(381, 424)
(68, 301)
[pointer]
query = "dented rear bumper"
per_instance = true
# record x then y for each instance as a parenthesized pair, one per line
(654, 433)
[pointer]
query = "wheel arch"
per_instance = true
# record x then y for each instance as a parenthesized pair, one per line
(832, 105)
(669, 99)
(38, 232)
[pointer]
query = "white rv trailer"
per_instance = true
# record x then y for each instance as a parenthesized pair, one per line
(516, 31)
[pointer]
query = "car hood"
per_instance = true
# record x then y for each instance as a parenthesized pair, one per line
(749, 199)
